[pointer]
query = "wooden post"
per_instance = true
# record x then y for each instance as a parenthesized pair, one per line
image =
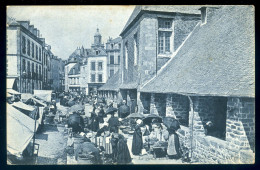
(34, 131)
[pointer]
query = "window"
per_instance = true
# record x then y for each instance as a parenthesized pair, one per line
(73, 71)
(97, 52)
(36, 52)
(36, 69)
(112, 46)
(40, 54)
(28, 67)
(93, 66)
(43, 58)
(126, 56)
(111, 72)
(93, 77)
(112, 59)
(40, 70)
(23, 66)
(100, 66)
(32, 50)
(215, 124)
(33, 67)
(23, 45)
(164, 42)
(135, 49)
(118, 59)
(100, 78)
(165, 23)
(28, 47)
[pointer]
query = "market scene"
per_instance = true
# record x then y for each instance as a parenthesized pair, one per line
(175, 87)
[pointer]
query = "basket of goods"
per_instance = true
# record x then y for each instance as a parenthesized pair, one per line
(85, 158)
(159, 149)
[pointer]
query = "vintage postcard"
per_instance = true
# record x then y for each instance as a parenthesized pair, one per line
(165, 84)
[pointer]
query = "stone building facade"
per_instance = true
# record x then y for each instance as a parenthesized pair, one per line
(91, 66)
(113, 49)
(55, 73)
(150, 38)
(217, 120)
(24, 55)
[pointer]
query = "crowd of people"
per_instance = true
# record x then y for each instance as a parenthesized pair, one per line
(105, 121)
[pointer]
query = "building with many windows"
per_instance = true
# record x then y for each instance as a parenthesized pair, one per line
(24, 56)
(113, 49)
(30, 63)
(86, 69)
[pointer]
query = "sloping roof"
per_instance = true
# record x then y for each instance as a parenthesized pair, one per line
(92, 51)
(112, 83)
(130, 85)
(75, 54)
(217, 59)
(161, 8)
(77, 70)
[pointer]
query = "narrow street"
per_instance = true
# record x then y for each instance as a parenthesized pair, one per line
(52, 142)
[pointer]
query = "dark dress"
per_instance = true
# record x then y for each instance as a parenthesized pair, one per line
(123, 154)
(174, 150)
(113, 124)
(94, 123)
(137, 144)
(114, 142)
(101, 115)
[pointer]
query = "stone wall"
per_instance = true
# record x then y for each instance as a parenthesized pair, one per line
(239, 132)
(158, 104)
(241, 123)
(178, 106)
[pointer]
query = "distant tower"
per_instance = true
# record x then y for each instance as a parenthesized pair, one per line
(97, 38)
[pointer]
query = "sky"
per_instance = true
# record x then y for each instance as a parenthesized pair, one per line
(67, 27)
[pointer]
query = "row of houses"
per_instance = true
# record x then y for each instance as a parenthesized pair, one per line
(87, 69)
(195, 63)
(31, 65)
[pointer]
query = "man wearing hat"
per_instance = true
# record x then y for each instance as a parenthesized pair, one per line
(113, 123)
(124, 110)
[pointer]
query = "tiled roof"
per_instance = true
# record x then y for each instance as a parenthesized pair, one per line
(217, 59)
(112, 83)
(161, 8)
(92, 52)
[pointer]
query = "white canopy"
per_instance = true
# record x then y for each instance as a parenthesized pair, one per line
(10, 82)
(11, 91)
(23, 106)
(20, 130)
(43, 94)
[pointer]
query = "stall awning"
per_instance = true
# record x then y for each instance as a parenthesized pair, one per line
(11, 91)
(10, 82)
(37, 101)
(43, 94)
(23, 106)
(20, 130)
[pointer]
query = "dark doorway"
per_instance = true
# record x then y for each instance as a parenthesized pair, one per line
(160, 103)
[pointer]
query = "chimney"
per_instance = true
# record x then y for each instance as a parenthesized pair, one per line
(35, 31)
(206, 13)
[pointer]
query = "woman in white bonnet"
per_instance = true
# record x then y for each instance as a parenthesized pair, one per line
(137, 144)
